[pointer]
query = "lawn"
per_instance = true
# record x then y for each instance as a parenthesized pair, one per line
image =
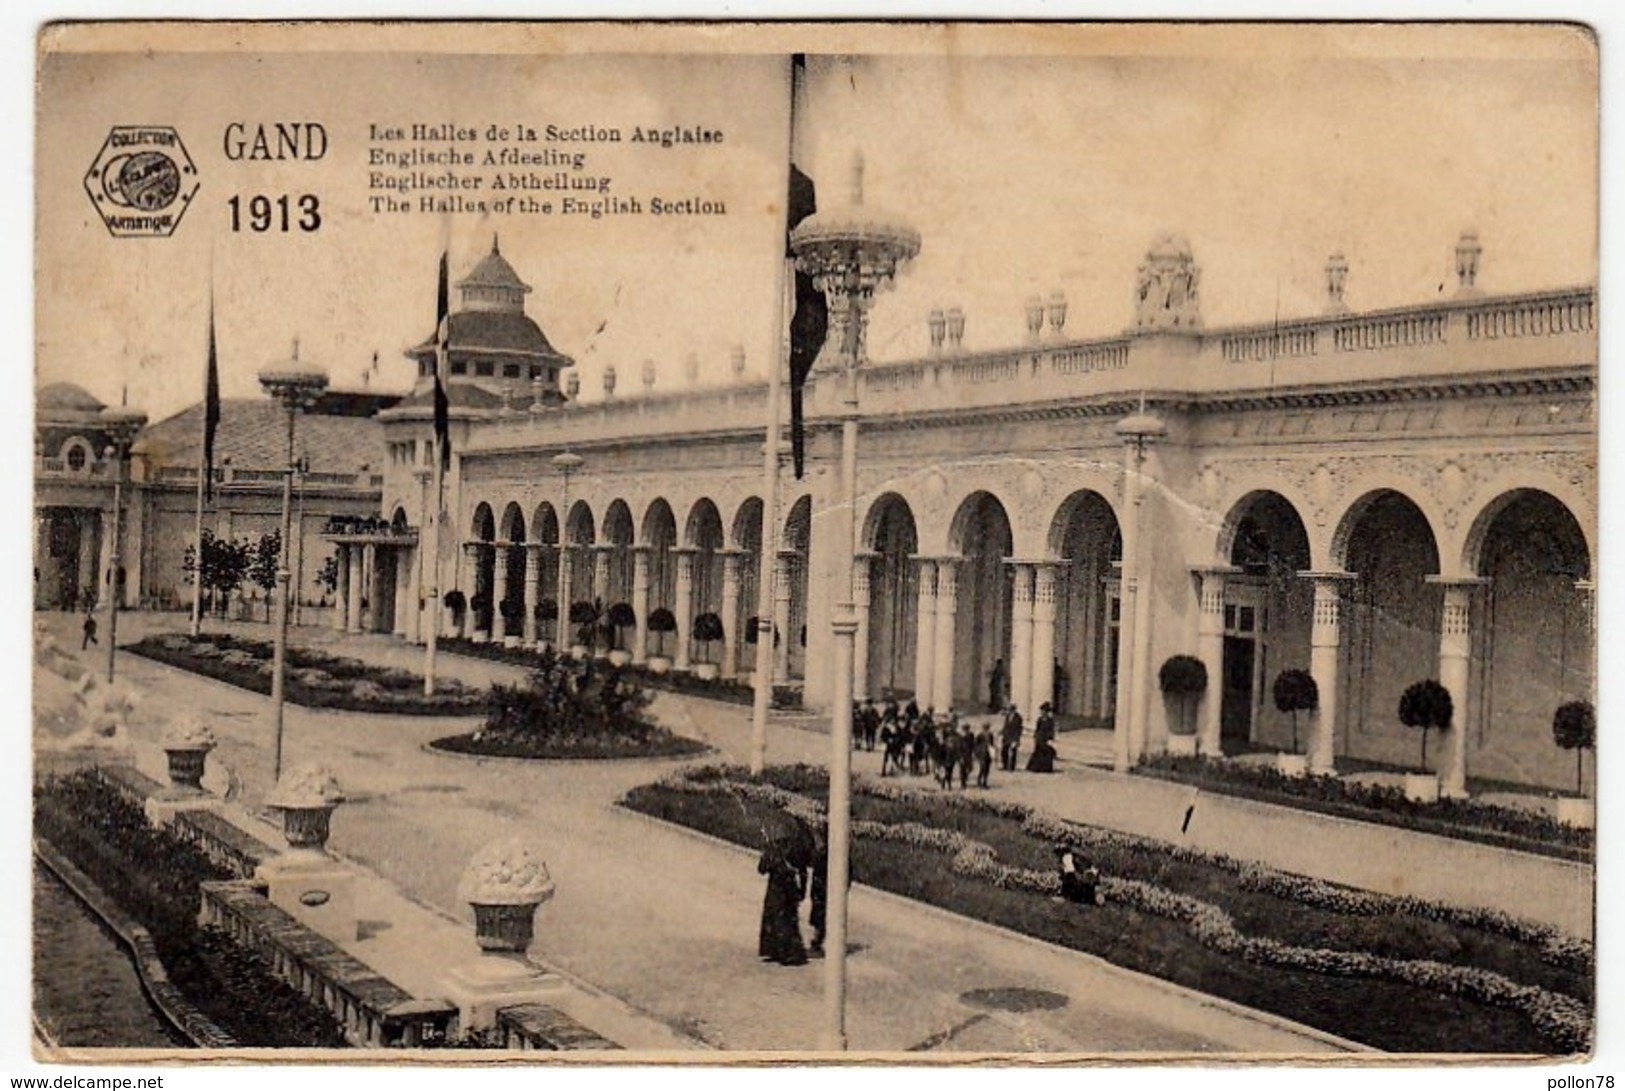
(1394, 973)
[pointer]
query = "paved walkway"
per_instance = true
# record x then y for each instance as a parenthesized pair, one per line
(664, 920)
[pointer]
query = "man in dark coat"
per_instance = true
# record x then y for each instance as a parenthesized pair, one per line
(1010, 739)
(995, 687)
(780, 939)
(984, 754)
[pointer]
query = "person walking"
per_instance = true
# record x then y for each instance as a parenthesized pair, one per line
(965, 751)
(1010, 739)
(818, 891)
(984, 753)
(780, 939)
(89, 630)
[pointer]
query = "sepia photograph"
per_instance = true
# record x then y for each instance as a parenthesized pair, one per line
(626, 543)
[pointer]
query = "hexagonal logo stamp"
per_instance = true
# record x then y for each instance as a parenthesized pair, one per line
(142, 181)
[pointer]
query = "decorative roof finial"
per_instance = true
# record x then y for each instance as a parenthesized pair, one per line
(495, 249)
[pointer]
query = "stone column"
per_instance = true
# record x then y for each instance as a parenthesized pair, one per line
(352, 620)
(640, 604)
(499, 591)
(1587, 590)
(730, 611)
(341, 592)
(1019, 671)
(1455, 658)
(942, 669)
(925, 631)
(783, 571)
(1325, 648)
(684, 606)
(566, 589)
(1043, 684)
(406, 596)
(1210, 650)
(533, 589)
(860, 601)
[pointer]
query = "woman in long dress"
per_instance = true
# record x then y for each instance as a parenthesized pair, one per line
(781, 926)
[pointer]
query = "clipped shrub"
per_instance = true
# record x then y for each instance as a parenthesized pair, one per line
(661, 622)
(1574, 727)
(1426, 705)
(1295, 692)
(1184, 679)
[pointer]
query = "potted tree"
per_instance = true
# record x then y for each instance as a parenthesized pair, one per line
(584, 618)
(618, 617)
(1425, 705)
(1574, 727)
(661, 622)
(1295, 691)
(707, 630)
(513, 622)
(1183, 679)
(481, 605)
(547, 616)
(457, 609)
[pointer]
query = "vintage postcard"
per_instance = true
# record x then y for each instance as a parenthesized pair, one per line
(606, 543)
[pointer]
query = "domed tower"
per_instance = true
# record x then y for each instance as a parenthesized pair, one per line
(496, 354)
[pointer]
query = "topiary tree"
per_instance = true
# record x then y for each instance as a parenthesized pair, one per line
(513, 615)
(619, 616)
(481, 605)
(1183, 678)
(547, 610)
(1295, 692)
(1574, 727)
(584, 616)
(707, 630)
(264, 558)
(1426, 705)
(662, 621)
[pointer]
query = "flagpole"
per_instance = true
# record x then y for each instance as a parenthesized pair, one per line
(441, 452)
(205, 457)
(197, 536)
(431, 533)
(768, 561)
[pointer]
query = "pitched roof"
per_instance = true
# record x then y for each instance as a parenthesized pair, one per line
(493, 271)
(67, 396)
(253, 433)
(500, 331)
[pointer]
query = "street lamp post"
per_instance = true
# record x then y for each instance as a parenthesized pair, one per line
(566, 463)
(296, 385)
(121, 426)
(851, 253)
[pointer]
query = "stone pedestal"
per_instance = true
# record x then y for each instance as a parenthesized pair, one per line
(481, 986)
(315, 890)
(162, 808)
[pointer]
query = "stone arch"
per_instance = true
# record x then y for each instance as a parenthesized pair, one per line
(1391, 621)
(482, 527)
(511, 528)
(579, 527)
(1505, 494)
(891, 536)
(398, 521)
(797, 539)
(1236, 501)
(1086, 536)
(1370, 490)
(1268, 617)
(483, 531)
(702, 532)
(746, 536)
(619, 533)
(746, 529)
(1533, 637)
(659, 535)
(982, 537)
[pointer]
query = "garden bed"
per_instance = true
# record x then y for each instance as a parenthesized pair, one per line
(570, 710)
(153, 876)
(314, 679)
(1399, 974)
(716, 689)
(1467, 820)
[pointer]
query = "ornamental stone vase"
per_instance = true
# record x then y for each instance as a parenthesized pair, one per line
(307, 798)
(1422, 787)
(1182, 746)
(186, 744)
(1292, 765)
(505, 882)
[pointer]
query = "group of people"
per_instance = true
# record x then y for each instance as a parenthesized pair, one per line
(920, 742)
(796, 864)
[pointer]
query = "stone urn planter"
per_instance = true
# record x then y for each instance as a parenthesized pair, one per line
(480, 636)
(307, 798)
(660, 664)
(187, 742)
(578, 652)
(1422, 787)
(505, 883)
(1182, 746)
(620, 657)
(1292, 765)
(707, 672)
(1579, 813)
(512, 641)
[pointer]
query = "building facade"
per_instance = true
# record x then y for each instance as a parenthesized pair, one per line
(1375, 498)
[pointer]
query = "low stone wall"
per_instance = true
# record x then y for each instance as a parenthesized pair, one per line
(373, 1011)
(528, 1027)
(234, 849)
(136, 787)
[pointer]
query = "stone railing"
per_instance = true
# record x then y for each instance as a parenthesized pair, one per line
(1548, 317)
(373, 1011)
(228, 847)
(93, 470)
(228, 478)
(1269, 344)
(528, 1027)
(1390, 331)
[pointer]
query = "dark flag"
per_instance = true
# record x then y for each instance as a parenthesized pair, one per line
(211, 409)
(442, 407)
(809, 321)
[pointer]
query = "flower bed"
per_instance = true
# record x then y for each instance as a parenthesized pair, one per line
(1396, 973)
(570, 710)
(154, 877)
(315, 679)
(1503, 827)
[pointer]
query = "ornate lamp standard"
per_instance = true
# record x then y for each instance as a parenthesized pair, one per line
(566, 463)
(296, 385)
(850, 253)
(121, 426)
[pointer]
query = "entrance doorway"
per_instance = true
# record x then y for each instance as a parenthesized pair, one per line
(1239, 697)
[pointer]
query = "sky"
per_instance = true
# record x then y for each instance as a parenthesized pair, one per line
(1026, 168)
